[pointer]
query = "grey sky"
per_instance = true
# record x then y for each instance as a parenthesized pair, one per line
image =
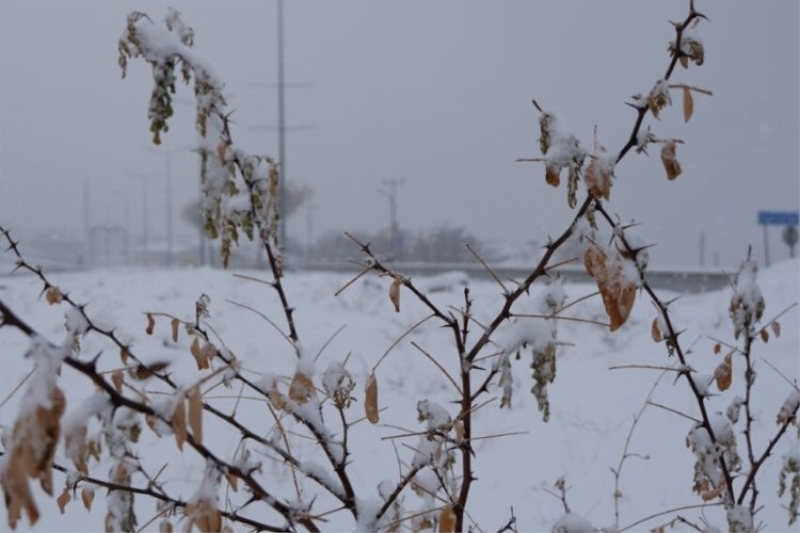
(435, 92)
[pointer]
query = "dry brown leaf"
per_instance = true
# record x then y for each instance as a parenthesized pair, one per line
(618, 293)
(764, 335)
(301, 389)
(552, 176)
(94, 449)
(717, 348)
(199, 354)
(394, 293)
(63, 500)
(151, 324)
(75, 441)
(459, 427)
(233, 481)
(724, 372)
(447, 520)
(670, 160)
(53, 295)
(195, 400)
(143, 372)
(118, 378)
(87, 497)
(179, 423)
(776, 328)
(30, 456)
(655, 332)
(371, 400)
(124, 354)
(165, 526)
(684, 61)
(688, 104)
(276, 398)
(205, 516)
(222, 147)
(175, 323)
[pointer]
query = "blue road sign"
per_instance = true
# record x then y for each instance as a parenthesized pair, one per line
(780, 218)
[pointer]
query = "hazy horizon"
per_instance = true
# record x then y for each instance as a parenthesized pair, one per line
(436, 93)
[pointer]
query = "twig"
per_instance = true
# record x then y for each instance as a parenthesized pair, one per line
(397, 341)
(618, 471)
(488, 269)
(438, 365)
(670, 511)
(674, 411)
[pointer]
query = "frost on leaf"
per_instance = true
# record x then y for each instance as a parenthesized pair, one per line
(692, 47)
(239, 189)
(561, 150)
(338, 385)
(202, 509)
(301, 388)
(572, 523)
(34, 436)
(506, 380)
(788, 411)
(541, 337)
(709, 482)
(598, 174)
(747, 303)
(670, 160)
(618, 292)
(544, 372)
(790, 478)
(434, 414)
(740, 520)
(659, 97)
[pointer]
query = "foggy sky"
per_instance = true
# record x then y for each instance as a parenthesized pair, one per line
(437, 93)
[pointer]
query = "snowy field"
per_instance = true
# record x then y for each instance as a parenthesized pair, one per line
(592, 405)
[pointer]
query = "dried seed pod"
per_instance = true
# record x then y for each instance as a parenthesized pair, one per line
(688, 104)
(175, 324)
(724, 372)
(659, 97)
(670, 160)
(87, 497)
(371, 401)
(394, 293)
(301, 389)
(53, 295)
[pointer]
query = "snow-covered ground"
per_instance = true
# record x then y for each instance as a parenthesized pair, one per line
(592, 406)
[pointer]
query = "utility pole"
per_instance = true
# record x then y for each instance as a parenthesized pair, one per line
(702, 245)
(391, 194)
(281, 133)
(281, 86)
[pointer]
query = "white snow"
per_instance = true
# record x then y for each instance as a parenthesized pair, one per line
(590, 404)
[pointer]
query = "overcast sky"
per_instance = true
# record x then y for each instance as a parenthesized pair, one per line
(437, 93)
